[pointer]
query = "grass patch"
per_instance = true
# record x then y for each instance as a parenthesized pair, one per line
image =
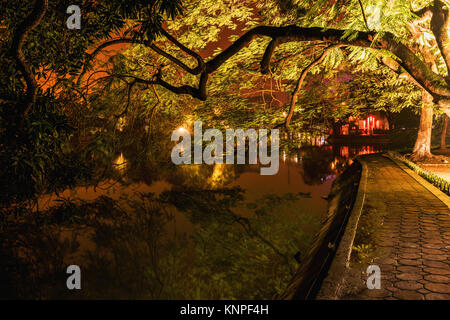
(438, 182)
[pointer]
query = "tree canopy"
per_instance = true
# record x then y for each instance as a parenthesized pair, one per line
(398, 33)
(245, 63)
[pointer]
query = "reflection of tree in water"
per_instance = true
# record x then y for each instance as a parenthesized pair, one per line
(151, 162)
(155, 167)
(126, 251)
(317, 165)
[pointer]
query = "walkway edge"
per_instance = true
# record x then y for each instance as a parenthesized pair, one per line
(435, 191)
(334, 281)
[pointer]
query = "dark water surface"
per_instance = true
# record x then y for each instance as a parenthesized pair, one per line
(185, 232)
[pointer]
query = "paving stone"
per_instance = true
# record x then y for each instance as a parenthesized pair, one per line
(435, 257)
(409, 269)
(433, 246)
(409, 237)
(437, 278)
(390, 288)
(411, 250)
(385, 261)
(378, 293)
(408, 295)
(438, 271)
(438, 287)
(435, 264)
(431, 251)
(386, 268)
(437, 296)
(409, 245)
(427, 228)
(410, 256)
(423, 291)
(437, 242)
(408, 285)
(408, 262)
(409, 276)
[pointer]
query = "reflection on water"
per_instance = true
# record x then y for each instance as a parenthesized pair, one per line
(309, 169)
(161, 231)
(351, 152)
(120, 163)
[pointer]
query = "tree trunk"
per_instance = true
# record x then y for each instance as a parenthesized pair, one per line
(422, 148)
(444, 133)
(336, 129)
(390, 118)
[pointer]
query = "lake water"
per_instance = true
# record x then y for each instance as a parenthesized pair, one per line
(190, 231)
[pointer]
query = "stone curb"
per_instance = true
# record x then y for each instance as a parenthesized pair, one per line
(434, 190)
(334, 281)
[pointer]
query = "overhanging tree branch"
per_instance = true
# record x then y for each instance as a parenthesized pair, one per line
(394, 66)
(184, 89)
(195, 71)
(436, 85)
(301, 79)
(201, 64)
(98, 50)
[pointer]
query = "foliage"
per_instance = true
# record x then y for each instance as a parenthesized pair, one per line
(101, 20)
(38, 156)
(35, 160)
(240, 96)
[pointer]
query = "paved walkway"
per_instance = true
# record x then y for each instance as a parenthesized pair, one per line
(407, 229)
